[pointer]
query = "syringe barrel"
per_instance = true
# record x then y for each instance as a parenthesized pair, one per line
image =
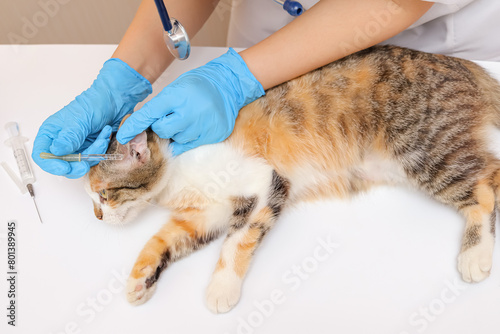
(22, 163)
(17, 144)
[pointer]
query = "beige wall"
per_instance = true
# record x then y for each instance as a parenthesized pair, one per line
(87, 22)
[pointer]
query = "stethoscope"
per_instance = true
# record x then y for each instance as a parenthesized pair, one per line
(177, 39)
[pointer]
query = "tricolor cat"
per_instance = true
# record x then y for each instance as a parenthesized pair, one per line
(383, 115)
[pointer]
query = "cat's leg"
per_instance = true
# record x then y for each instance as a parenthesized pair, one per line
(475, 259)
(456, 170)
(249, 224)
(185, 232)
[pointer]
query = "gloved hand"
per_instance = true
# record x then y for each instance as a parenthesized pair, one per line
(199, 107)
(82, 126)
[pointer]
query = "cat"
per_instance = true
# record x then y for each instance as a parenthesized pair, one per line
(383, 115)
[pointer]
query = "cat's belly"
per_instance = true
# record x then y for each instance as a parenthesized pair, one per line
(312, 183)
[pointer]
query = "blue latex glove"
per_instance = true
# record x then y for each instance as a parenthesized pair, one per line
(85, 124)
(199, 107)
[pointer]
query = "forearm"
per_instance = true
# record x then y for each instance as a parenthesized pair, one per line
(328, 31)
(143, 48)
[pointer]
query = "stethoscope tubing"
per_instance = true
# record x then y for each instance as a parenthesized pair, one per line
(178, 41)
(165, 19)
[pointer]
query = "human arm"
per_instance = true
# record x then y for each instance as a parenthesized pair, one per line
(85, 124)
(328, 31)
(322, 34)
(143, 47)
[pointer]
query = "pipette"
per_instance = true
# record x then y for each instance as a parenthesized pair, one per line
(17, 143)
(82, 157)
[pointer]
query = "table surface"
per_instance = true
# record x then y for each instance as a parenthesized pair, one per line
(392, 268)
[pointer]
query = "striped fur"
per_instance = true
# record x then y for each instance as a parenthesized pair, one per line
(383, 115)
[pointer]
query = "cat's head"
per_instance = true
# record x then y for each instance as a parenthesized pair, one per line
(121, 189)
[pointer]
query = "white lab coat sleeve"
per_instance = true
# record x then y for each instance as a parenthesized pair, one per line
(253, 20)
(462, 28)
(439, 9)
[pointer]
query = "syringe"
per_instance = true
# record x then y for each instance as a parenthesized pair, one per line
(82, 157)
(17, 143)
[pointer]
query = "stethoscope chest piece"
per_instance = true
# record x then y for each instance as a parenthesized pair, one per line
(174, 34)
(177, 40)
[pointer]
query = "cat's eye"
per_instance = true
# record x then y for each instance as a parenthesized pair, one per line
(103, 194)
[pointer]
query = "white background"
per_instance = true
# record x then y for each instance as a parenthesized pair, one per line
(393, 271)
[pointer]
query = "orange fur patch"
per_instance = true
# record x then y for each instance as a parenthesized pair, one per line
(97, 210)
(485, 196)
(486, 203)
(150, 257)
(192, 229)
(264, 215)
(169, 234)
(496, 185)
(245, 250)
(221, 264)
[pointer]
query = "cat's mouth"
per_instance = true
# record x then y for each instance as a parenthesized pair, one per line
(116, 218)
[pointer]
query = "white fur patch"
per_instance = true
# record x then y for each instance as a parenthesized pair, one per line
(475, 263)
(373, 168)
(224, 291)
(216, 174)
(136, 290)
(493, 140)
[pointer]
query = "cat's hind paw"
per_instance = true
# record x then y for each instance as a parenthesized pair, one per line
(139, 290)
(223, 292)
(475, 263)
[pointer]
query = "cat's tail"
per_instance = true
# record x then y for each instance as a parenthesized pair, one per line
(489, 86)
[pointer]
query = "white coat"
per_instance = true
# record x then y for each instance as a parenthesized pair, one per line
(464, 28)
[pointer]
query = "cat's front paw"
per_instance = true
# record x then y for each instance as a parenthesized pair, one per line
(475, 263)
(223, 292)
(140, 289)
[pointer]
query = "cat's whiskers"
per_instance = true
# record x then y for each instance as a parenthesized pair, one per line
(149, 202)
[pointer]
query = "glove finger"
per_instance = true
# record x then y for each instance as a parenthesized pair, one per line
(89, 141)
(68, 140)
(186, 136)
(100, 145)
(78, 169)
(170, 125)
(42, 144)
(181, 148)
(142, 119)
(139, 121)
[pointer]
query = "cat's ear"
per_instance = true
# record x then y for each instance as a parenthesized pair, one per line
(136, 151)
(138, 148)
